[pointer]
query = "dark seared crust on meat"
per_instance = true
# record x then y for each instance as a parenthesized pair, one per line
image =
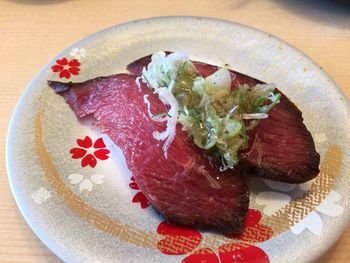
(297, 176)
(59, 87)
(292, 158)
(62, 87)
(234, 226)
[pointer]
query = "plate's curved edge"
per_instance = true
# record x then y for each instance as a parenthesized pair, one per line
(17, 196)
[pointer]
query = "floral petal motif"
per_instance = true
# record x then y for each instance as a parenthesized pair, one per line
(74, 52)
(254, 234)
(141, 198)
(253, 231)
(77, 153)
(312, 222)
(74, 63)
(74, 71)
(204, 255)
(178, 240)
(97, 178)
(62, 61)
(64, 74)
(242, 253)
(57, 68)
(78, 53)
(86, 143)
(40, 195)
(272, 201)
(99, 143)
(134, 186)
(252, 218)
(86, 184)
(280, 186)
(75, 178)
(66, 68)
(89, 160)
(329, 206)
(102, 154)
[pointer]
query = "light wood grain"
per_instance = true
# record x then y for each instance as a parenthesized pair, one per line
(33, 31)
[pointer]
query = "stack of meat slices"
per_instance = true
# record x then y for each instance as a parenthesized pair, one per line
(185, 187)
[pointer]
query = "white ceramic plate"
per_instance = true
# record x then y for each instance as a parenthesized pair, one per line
(95, 214)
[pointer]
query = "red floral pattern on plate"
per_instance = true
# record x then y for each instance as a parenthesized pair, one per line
(239, 252)
(90, 158)
(66, 68)
(139, 197)
(253, 231)
(177, 240)
(242, 253)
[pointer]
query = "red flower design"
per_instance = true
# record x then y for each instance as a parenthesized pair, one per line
(241, 251)
(90, 158)
(178, 240)
(139, 196)
(253, 231)
(66, 68)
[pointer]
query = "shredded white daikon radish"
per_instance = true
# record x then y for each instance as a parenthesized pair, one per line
(160, 76)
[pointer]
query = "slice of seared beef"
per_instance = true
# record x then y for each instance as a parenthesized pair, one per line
(280, 147)
(185, 188)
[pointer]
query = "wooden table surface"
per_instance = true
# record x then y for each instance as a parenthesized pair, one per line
(33, 31)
